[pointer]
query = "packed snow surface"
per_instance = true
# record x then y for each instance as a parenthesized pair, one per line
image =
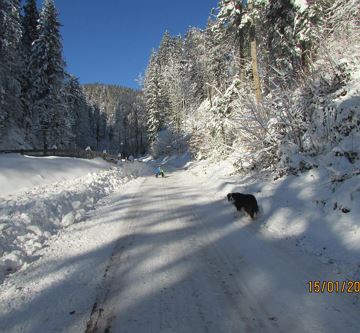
(172, 255)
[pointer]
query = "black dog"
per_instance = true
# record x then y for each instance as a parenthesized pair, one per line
(244, 201)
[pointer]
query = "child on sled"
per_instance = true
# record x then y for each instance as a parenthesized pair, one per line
(159, 172)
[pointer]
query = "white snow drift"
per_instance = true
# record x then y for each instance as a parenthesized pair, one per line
(39, 196)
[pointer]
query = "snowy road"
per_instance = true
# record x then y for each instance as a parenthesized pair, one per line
(183, 265)
(172, 257)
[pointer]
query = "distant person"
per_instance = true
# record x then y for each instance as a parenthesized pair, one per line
(159, 172)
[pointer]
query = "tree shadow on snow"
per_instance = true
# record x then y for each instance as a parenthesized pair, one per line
(188, 265)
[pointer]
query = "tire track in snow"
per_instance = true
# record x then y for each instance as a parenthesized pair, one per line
(187, 266)
(99, 311)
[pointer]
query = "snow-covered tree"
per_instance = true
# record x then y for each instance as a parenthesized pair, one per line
(29, 23)
(10, 34)
(168, 49)
(30, 35)
(194, 61)
(47, 70)
(284, 59)
(11, 113)
(78, 113)
(124, 111)
(153, 99)
(220, 61)
(230, 19)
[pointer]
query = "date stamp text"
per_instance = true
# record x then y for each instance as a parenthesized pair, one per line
(343, 287)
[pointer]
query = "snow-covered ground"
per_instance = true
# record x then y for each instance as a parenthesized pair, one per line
(41, 195)
(317, 211)
(20, 173)
(172, 255)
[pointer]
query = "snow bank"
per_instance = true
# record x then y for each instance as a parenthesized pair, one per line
(316, 212)
(19, 173)
(28, 219)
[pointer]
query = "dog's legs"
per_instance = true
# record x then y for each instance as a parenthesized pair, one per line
(239, 213)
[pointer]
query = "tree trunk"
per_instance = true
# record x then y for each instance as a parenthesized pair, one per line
(210, 96)
(45, 146)
(254, 58)
(241, 59)
(255, 72)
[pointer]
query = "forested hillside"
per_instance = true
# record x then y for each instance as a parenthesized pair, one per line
(44, 106)
(123, 120)
(266, 83)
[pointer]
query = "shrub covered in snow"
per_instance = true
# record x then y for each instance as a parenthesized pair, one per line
(168, 142)
(316, 115)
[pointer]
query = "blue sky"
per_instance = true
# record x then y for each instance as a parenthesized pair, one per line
(110, 41)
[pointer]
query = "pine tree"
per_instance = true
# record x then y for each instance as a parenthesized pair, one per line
(96, 125)
(155, 116)
(29, 23)
(118, 103)
(30, 35)
(10, 34)
(78, 113)
(230, 15)
(219, 53)
(283, 62)
(117, 140)
(195, 67)
(47, 70)
(166, 50)
(11, 113)
(310, 29)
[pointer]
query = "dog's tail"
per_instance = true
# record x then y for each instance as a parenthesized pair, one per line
(258, 210)
(255, 210)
